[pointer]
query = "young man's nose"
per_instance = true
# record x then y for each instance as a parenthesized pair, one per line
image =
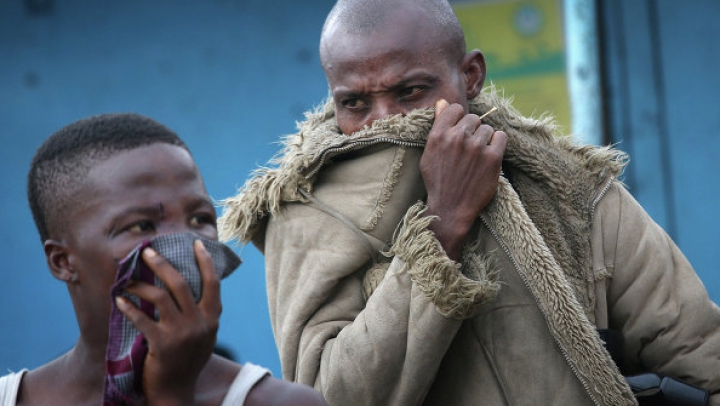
(175, 228)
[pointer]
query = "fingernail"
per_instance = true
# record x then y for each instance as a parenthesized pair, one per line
(199, 244)
(440, 105)
(121, 302)
(149, 252)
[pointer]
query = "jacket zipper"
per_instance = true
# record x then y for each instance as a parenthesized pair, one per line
(329, 152)
(527, 285)
(608, 183)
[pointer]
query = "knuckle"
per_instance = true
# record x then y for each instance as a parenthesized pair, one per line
(486, 128)
(495, 155)
(208, 266)
(213, 326)
(157, 260)
(203, 330)
(204, 258)
(131, 315)
(454, 108)
(456, 132)
(178, 283)
(478, 146)
(213, 282)
(158, 296)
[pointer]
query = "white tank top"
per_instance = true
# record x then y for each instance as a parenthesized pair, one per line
(248, 376)
(9, 386)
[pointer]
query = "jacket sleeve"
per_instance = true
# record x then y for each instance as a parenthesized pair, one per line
(669, 324)
(385, 350)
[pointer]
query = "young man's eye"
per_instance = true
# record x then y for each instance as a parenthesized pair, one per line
(141, 227)
(201, 220)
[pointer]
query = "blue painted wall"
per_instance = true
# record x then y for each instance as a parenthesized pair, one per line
(230, 76)
(661, 59)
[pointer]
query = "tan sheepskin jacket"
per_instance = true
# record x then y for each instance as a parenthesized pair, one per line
(367, 308)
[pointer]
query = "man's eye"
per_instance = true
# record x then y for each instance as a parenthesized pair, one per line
(354, 104)
(411, 91)
(141, 227)
(202, 220)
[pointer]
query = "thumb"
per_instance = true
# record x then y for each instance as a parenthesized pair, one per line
(440, 105)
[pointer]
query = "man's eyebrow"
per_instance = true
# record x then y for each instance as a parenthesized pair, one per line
(346, 94)
(153, 210)
(408, 80)
(199, 202)
(417, 77)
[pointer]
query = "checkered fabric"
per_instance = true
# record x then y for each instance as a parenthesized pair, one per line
(127, 348)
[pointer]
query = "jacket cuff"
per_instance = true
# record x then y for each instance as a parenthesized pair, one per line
(454, 294)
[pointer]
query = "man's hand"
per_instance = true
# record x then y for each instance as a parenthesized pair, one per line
(182, 341)
(460, 166)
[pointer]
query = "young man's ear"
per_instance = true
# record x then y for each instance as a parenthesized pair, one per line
(473, 66)
(58, 260)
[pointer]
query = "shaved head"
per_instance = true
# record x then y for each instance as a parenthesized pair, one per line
(61, 164)
(388, 57)
(362, 18)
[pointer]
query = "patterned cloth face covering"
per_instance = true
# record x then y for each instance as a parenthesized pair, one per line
(127, 347)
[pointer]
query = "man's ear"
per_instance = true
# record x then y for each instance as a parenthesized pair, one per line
(59, 260)
(473, 67)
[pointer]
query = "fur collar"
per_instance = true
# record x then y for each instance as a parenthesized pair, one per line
(532, 145)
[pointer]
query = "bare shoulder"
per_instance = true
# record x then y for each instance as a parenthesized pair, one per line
(276, 392)
(57, 382)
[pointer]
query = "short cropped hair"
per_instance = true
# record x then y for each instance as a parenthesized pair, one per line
(61, 164)
(360, 17)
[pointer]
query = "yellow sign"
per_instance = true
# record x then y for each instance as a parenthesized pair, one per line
(522, 41)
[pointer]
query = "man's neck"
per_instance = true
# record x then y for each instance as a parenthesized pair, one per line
(90, 356)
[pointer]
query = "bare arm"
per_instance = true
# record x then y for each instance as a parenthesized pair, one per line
(275, 392)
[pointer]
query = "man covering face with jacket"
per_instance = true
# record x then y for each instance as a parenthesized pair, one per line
(419, 251)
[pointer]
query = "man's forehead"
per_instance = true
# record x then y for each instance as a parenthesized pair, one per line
(145, 166)
(379, 64)
(362, 52)
(124, 182)
(160, 154)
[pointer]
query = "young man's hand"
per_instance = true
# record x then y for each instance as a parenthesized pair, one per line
(460, 166)
(182, 341)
